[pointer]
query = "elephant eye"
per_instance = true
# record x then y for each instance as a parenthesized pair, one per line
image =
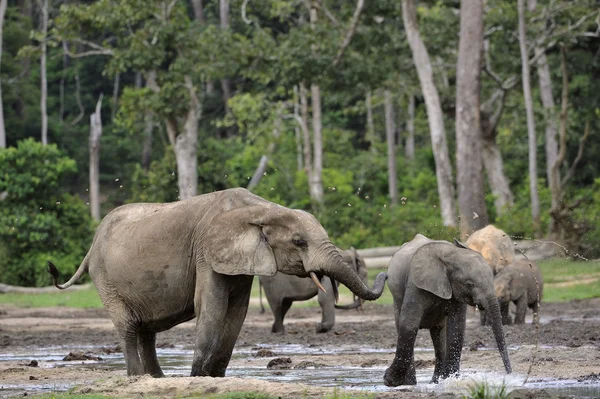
(299, 242)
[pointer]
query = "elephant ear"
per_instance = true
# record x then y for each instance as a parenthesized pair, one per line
(428, 271)
(460, 244)
(235, 244)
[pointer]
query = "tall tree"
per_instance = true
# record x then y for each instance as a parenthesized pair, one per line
(3, 4)
(409, 147)
(225, 82)
(316, 183)
(535, 202)
(469, 166)
(94, 147)
(443, 168)
(390, 130)
(43, 4)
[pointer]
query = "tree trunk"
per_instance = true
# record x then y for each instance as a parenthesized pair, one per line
(535, 203)
(409, 147)
(261, 169)
(297, 131)
(469, 166)
(44, 80)
(198, 10)
(115, 97)
(3, 5)
(494, 168)
(316, 185)
(225, 83)
(370, 136)
(422, 62)
(390, 130)
(63, 80)
(95, 134)
(186, 148)
(148, 121)
(305, 132)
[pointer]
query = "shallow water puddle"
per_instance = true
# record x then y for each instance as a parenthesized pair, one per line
(177, 361)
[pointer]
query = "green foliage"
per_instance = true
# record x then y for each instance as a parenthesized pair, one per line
(38, 220)
(483, 390)
(85, 299)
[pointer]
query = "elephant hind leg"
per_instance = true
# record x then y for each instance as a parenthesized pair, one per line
(279, 311)
(327, 303)
(147, 344)
(130, 350)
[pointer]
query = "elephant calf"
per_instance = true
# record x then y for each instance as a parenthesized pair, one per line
(432, 282)
(522, 284)
(282, 290)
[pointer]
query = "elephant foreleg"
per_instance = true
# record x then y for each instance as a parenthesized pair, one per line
(402, 369)
(327, 303)
(438, 336)
(223, 307)
(455, 334)
(521, 309)
(147, 344)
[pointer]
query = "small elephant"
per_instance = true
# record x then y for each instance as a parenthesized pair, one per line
(282, 289)
(159, 265)
(432, 282)
(497, 249)
(522, 284)
(494, 245)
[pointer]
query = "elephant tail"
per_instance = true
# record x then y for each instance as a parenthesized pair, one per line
(78, 274)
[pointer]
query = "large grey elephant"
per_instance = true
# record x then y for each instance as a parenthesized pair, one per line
(522, 284)
(158, 265)
(282, 290)
(432, 282)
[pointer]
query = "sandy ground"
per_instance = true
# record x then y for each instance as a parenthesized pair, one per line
(565, 346)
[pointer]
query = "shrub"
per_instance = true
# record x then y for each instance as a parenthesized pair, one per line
(38, 221)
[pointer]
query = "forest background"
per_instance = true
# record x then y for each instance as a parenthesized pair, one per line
(384, 119)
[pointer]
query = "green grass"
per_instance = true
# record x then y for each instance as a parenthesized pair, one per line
(564, 280)
(482, 390)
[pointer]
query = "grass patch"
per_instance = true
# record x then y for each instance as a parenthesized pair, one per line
(482, 390)
(73, 299)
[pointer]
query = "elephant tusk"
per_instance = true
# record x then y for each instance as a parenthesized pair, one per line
(315, 279)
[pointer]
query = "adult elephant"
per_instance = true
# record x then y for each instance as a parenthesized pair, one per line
(282, 290)
(432, 282)
(158, 265)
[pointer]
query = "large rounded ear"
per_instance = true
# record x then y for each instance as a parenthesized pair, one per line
(235, 244)
(428, 271)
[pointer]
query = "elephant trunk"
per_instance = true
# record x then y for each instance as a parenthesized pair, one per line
(336, 268)
(356, 304)
(493, 312)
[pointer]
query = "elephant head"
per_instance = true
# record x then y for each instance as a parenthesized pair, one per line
(265, 238)
(494, 245)
(455, 271)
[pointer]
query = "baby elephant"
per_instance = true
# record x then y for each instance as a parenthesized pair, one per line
(282, 290)
(522, 284)
(432, 282)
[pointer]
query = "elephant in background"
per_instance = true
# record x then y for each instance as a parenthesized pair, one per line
(494, 245)
(432, 282)
(497, 249)
(522, 284)
(282, 290)
(158, 265)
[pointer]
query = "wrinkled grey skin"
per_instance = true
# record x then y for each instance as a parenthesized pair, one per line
(282, 289)
(432, 282)
(522, 284)
(158, 265)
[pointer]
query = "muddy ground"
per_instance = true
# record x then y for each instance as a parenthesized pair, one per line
(566, 346)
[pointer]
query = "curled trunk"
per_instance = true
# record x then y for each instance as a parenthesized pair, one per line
(340, 271)
(356, 304)
(495, 320)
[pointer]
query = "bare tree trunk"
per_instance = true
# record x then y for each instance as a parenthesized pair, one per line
(316, 185)
(434, 113)
(225, 83)
(308, 165)
(535, 203)
(409, 147)
(63, 80)
(494, 168)
(115, 97)
(3, 5)
(469, 166)
(148, 121)
(44, 80)
(390, 130)
(370, 136)
(186, 148)
(264, 160)
(95, 134)
(297, 131)
(198, 10)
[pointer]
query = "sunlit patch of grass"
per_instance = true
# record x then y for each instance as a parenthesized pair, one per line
(73, 299)
(483, 390)
(565, 279)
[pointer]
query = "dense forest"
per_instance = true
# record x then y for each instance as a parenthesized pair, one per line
(382, 118)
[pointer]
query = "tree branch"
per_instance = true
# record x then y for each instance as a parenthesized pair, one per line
(360, 4)
(571, 171)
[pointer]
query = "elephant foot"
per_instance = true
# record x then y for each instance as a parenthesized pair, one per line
(322, 328)
(391, 379)
(277, 329)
